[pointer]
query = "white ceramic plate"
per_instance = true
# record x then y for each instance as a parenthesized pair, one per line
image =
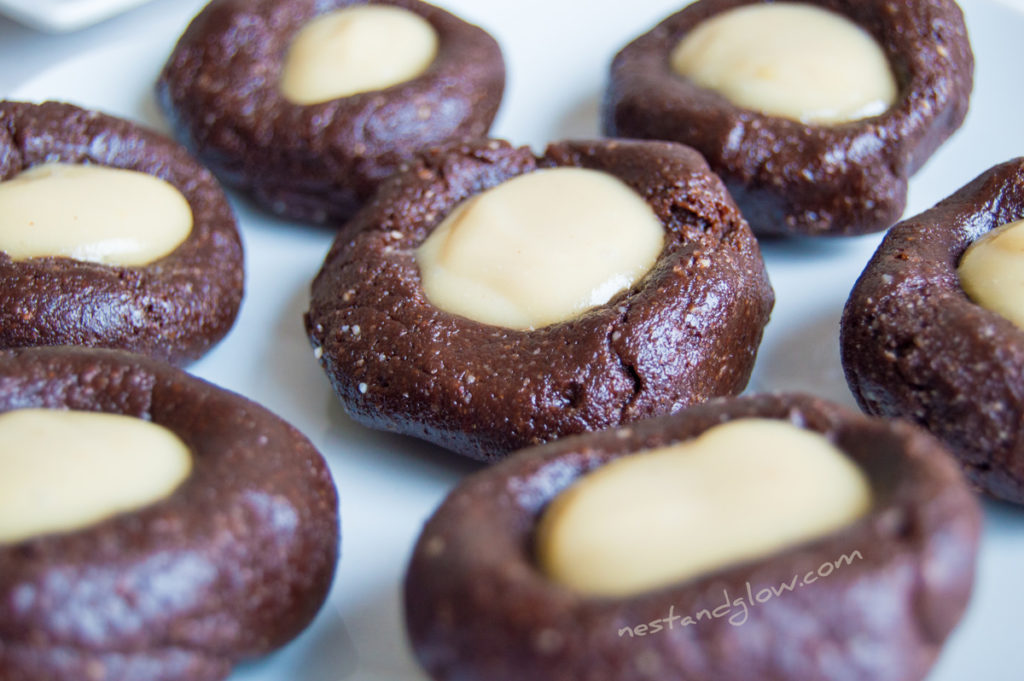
(558, 58)
(64, 15)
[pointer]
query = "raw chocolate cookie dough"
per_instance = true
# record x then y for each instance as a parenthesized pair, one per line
(226, 553)
(809, 139)
(309, 128)
(917, 346)
(686, 329)
(112, 236)
(506, 581)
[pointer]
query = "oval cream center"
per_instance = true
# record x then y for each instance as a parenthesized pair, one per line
(992, 271)
(61, 471)
(356, 49)
(740, 491)
(91, 213)
(540, 248)
(791, 60)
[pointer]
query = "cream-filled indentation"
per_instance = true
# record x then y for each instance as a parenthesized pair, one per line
(356, 49)
(540, 248)
(91, 213)
(741, 491)
(62, 471)
(992, 271)
(791, 60)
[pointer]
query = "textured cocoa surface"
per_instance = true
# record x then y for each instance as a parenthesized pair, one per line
(175, 308)
(479, 608)
(233, 564)
(791, 178)
(317, 163)
(685, 333)
(915, 346)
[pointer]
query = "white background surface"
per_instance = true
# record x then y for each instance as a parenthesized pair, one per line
(64, 15)
(558, 52)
